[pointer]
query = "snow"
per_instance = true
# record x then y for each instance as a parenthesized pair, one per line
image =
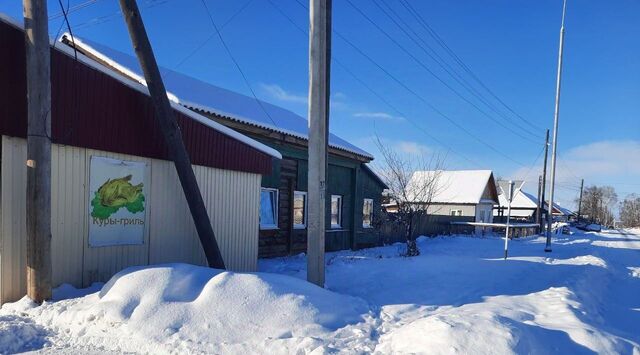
(458, 296)
(193, 93)
(521, 199)
(454, 186)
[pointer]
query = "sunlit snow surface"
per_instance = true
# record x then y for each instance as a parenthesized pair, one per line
(458, 296)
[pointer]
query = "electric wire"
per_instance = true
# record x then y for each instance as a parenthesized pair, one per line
(237, 65)
(432, 33)
(413, 36)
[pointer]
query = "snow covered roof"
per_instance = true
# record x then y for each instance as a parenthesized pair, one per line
(457, 186)
(521, 199)
(142, 88)
(197, 94)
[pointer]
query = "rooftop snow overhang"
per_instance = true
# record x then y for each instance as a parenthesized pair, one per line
(130, 74)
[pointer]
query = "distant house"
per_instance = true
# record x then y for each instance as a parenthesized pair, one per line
(104, 133)
(560, 214)
(523, 205)
(353, 190)
(461, 193)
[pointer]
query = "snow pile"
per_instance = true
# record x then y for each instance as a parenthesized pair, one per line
(187, 308)
(458, 296)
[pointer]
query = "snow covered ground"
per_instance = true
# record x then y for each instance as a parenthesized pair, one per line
(458, 296)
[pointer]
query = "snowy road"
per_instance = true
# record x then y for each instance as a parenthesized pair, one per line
(458, 296)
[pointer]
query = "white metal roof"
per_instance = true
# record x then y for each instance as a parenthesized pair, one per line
(455, 186)
(196, 94)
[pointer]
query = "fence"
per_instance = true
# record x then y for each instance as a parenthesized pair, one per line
(429, 225)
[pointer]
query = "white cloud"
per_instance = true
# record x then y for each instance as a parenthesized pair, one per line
(378, 115)
(277, 92)
(413, 148)
(607, 162)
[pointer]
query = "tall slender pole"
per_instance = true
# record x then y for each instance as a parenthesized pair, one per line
(580, 200)
(538, 210)
(319, 60)
(171, 132)
(506, 233)
(544, 181)
(556, 115)
(38, 204)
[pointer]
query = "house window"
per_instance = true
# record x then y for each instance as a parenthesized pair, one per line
(456, 212)
(299, 209)
(336, 211)
(268, 208)
(367, 212)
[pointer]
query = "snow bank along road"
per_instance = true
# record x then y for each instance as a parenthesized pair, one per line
(458, 296)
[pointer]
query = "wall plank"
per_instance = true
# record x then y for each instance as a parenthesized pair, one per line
(231, 197)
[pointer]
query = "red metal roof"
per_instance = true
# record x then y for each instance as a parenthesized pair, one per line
(92, 109)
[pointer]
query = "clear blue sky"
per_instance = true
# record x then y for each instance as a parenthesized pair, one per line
(510, 45)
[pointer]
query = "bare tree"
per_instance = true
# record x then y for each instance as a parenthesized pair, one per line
(412, 196)
(630, 211)
(598, 203)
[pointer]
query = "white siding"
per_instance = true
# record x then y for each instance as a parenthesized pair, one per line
(444, 209)
(231, 198)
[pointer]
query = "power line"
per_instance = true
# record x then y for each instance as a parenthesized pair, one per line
(374, 92)
(460, 62)
(211, 36)
(73, 8)
(244, 77)
(414, 37)
(428, 70)
(420, 97)
(109, 17)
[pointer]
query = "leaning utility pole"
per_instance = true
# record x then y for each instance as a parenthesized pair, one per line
(580, 200)
(319, 70)
(171, 132)
(556, 115)
(36, 34)
(544, 180)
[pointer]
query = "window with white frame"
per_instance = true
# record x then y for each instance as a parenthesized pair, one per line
(336, 211)
(367, 212)
(299, 209)
(456, 212)
(268, 208)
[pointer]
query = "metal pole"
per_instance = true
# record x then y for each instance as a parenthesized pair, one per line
(38, 204)
(547, 247)
(538, 210)
(506, 233)
(544, 181)
(319, 60)
(580, 201)
(171, 132)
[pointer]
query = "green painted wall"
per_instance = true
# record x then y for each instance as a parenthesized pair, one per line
(346, 178)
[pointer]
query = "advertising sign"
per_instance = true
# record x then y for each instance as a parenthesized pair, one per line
(117, 202)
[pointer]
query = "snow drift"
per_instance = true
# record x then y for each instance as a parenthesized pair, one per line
(194, 309)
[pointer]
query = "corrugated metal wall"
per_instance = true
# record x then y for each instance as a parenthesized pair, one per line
(231, 197)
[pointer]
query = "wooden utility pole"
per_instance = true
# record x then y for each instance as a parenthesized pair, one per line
(556, 117)
(580, 200)
(319, 70)
(171, 132)
(544, 180)
(36, 36)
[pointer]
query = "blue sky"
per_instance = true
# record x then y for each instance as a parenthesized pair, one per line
(510, 45)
